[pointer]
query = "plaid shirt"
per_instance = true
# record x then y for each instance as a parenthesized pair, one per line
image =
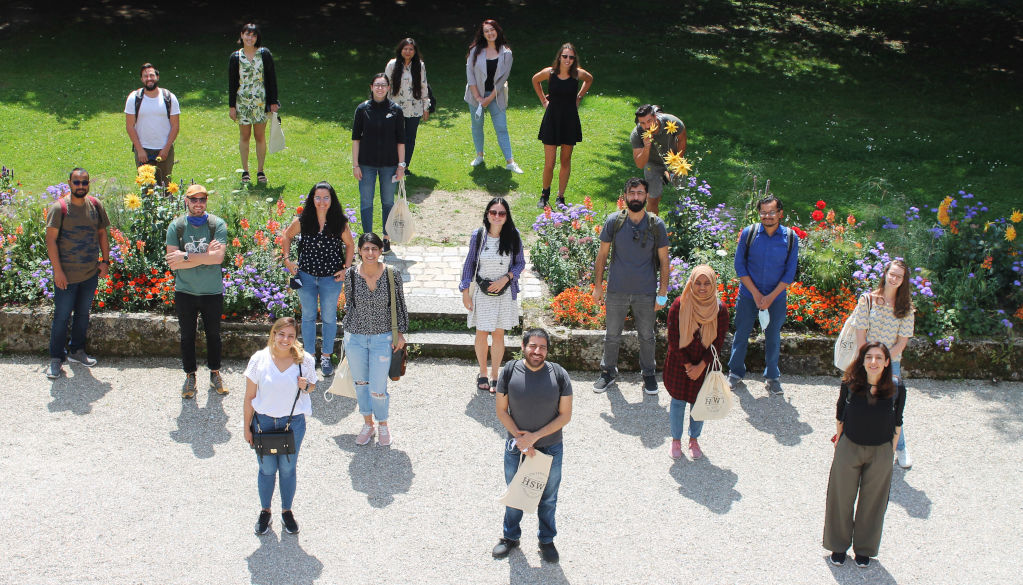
(679, 386)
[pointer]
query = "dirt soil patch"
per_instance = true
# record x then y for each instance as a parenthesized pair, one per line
(446, 218)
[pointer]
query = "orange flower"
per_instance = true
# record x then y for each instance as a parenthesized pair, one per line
(19, 230)
(851, 220)
(244, 223)
(596, 229)
(239, 260)
(987, 262)
(831, 216)
(140, 245)
(954, 226)
(298, 210)
(576, 225)
(547, 211)
(280, 206)
(621, 202)
(236, 243)
(587, 202)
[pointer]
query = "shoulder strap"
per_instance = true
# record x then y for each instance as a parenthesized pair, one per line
(297, 394)
(506, 373)
(166, 101)
(211, 222)
(559, 376)
(179, 227)
(394, 304)
(480, 238)
(615, 227)
(138, 103)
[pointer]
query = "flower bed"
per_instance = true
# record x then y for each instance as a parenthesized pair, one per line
(966, 260)
(255, 283)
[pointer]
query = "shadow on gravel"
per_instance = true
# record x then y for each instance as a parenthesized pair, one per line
(644, 419)
(379, 472)
(76, 394)
(850, 574)
(202, 428)
(1005, 405)
(915, 501)
(711, 487)
(482, 410)
(773, 415)
(520, 571)
(282, 561)
(333, 412)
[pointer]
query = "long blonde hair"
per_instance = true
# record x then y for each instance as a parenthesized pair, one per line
(297, 353)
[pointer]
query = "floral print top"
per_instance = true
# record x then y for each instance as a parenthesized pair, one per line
(251, 102)
(410, 106)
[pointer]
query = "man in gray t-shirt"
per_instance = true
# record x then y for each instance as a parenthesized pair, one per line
(667, 133)
(534, 401)
(637, 243)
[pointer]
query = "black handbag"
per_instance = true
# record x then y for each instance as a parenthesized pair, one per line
(276, 442)
(433, 101)
(484, 286)
(398, 356)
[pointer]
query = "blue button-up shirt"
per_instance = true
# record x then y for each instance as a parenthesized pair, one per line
(765, 261)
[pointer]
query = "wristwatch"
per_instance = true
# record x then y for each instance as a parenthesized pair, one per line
(402, 165)
(186, 256)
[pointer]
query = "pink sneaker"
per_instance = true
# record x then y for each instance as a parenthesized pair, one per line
(694, 449)
(385, 436)
(676, 449)
(365, 435)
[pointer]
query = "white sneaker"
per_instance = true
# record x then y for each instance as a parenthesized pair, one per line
(476, 161)
(514, 167)
(902, 456)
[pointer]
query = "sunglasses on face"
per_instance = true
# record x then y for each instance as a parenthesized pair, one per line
(85, 182)
(497, 213)
(569, 57)
(197, 199)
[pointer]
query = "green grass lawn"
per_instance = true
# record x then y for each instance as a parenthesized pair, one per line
(849, 104)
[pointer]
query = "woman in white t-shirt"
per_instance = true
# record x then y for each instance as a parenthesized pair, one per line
(278, 381)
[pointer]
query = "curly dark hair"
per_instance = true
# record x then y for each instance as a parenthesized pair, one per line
(337, 221)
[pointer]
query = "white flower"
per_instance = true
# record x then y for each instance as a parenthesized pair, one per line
(722, 253)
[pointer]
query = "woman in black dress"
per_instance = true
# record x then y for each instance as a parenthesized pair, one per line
(560, 126)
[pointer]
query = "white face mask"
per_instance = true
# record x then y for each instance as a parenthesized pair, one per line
(765, 319)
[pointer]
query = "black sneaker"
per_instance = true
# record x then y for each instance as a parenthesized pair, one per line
(503, 547)
(605, 380)
(288, 519)
(544, 201)
(862, 561)
(387, 247)
(80, 357)
(263, 524)
(838, 559)
(561, 200)
(650, 384)
(549, 553)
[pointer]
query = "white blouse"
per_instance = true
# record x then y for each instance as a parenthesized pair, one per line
(275, 390)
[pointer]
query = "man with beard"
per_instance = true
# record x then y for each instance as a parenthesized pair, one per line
(195, 250)
(151, 119)
(667, 134)
(534, 402)
(76, 237)
(637, 244)
(765, 262)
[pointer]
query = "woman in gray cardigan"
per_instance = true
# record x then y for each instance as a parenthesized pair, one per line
(487, 67)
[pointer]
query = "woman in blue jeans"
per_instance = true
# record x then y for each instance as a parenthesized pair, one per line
(487, 67)
(325, 250)
(370, 334)
(278, 381)
(378, 152)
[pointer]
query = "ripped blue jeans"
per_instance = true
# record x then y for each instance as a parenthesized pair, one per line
(369, 357)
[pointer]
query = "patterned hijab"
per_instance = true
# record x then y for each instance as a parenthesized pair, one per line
(698, 313)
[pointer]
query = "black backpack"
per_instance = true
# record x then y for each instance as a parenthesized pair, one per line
(790, 241)
(138, 101)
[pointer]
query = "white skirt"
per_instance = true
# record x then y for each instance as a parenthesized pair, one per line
(492, 313)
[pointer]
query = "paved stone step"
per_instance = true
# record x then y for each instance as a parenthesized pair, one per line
(446, 344)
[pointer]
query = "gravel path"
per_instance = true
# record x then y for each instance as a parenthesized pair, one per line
(109, 477)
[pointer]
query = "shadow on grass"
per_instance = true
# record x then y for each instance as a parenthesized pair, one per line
(493, 178)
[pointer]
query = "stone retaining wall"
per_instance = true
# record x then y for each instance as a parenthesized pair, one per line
(24, 330)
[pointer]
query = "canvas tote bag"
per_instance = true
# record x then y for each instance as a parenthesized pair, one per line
(527, 486)
(276, 143)
(343, 384)
(715, 398)
(401, 225)
(845, 345)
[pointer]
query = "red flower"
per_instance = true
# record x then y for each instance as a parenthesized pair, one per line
(821, 204)
(817, 215)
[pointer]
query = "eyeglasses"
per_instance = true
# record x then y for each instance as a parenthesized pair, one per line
(197, 199)
(318, 199)
(769, 213)
(85, 182)
(375, 85)
(497, 213)
(569, 57)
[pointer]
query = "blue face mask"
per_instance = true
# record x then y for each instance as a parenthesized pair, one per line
(198, 221)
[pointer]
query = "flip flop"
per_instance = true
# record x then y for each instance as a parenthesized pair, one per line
(493, 386)
(482, 383)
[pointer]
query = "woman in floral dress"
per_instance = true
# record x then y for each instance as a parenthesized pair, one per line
(252, 95)
(409, 90)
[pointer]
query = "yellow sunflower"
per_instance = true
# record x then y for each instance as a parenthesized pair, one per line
(943, 217)
(670, 127)
(650, 133)
(1010, 233)
(672, 159)
(681, 167)
(173, 188)
(132, 201)
(1016, 216)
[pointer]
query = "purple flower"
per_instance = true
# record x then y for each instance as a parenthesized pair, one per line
(1007, 323)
